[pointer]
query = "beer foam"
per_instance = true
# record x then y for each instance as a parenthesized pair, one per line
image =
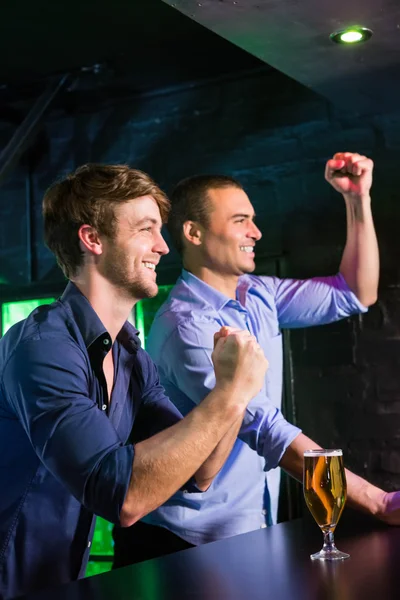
(322, 452)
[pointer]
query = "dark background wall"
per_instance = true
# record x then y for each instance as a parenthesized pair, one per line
(275, 136)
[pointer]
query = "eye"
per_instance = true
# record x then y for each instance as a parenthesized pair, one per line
(241, 220)
(146, 229)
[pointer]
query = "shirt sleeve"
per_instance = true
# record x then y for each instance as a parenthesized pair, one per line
(47, 384)
(315, 301)
(157, 412)
(187, 365)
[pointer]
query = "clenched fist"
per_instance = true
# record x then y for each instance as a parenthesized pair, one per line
(350, 174)
(239, 363)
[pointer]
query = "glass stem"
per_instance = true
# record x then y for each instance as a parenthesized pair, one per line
(329, 542)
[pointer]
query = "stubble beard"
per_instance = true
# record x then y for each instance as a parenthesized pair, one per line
(116, 271)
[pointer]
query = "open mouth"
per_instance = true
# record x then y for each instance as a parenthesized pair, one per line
(150, 266)
(247, 249)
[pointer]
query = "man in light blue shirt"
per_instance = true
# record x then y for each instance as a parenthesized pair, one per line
(212, 225)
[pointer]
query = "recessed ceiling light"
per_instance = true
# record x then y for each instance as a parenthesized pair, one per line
(351, 35)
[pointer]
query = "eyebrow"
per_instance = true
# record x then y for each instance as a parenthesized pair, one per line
(143, 221)
(246, 216)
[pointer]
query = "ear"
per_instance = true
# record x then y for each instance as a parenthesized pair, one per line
(193, 232)
(89, 240)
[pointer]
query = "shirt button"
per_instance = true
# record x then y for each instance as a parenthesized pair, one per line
(104, 407)
(264, 512)
(263, 526)
(184, 491)
(106, 341)
(89, 544)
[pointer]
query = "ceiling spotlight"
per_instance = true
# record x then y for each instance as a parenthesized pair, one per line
(351, 35)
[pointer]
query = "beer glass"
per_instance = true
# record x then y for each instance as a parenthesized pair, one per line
(325, 491)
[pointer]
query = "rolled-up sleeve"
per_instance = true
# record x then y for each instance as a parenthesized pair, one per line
(314, 301)
(189, 367)
(47, 384)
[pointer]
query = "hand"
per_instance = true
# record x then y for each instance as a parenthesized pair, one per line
(239, 362)
(390, 512)
(350, 174)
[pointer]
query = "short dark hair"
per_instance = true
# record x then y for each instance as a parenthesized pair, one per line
(88, 197)
(190, 202)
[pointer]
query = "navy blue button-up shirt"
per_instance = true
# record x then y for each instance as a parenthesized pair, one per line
(64, 455)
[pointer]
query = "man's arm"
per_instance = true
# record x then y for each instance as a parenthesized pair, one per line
(361, 494)
(186, 371)
(163, 463)
(214, 463)
(351, 175)
(79, 446)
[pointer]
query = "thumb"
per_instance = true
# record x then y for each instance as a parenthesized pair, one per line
(223, 332)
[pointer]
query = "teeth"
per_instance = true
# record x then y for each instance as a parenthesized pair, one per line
(247, 248)
(150, 266)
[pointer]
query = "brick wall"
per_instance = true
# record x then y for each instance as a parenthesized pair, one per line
(275, 136)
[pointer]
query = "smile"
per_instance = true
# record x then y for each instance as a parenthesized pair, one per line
(248, 249)
(150, 266)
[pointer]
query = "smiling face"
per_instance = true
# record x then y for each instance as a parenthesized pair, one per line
(129, 259)
(228, 241)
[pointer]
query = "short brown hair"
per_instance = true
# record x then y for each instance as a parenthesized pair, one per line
(190, 202)
(88, 196)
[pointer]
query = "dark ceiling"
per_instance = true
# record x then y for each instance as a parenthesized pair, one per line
(293, 37)
(116, 49)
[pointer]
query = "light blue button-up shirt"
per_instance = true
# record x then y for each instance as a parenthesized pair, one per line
(181, 342)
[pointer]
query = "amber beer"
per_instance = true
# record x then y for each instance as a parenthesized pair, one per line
(325, 486)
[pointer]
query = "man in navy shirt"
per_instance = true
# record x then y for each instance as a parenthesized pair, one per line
(75, 385)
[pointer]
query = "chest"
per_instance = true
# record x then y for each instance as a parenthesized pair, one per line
(108, 370)
(256, 315)
(117, 377)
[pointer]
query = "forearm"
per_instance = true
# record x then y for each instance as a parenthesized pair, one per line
(166, 461)
(211, 467)
(364, 496)
(361, 494)
(360, 260)
(293, 459)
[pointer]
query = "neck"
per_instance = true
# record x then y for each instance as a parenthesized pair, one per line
(112, 306)
(226, 284)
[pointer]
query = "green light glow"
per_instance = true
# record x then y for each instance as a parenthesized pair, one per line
(96, 568)
(139, 322)
(102, 542)
(350, 37)
(355, 34)
(12, 312)
(145, 311)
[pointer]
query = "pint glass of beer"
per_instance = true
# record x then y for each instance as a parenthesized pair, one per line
(325, 491)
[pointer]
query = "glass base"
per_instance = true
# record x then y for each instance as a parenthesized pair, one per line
(333, 554)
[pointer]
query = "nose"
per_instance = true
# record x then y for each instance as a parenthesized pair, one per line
(160, 245)
(254, 232)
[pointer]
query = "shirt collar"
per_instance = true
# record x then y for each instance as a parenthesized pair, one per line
(89, 323)
(215, 298)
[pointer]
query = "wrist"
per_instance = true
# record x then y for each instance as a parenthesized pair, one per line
(359, 198)
(365, 496)
(374, 501)
(232, 394)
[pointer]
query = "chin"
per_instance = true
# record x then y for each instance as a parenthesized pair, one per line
(247, 269)
(149, 291)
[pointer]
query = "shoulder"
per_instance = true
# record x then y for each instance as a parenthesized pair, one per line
(184, 312)
(261, 287)
(44, 340)
(182, 303)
